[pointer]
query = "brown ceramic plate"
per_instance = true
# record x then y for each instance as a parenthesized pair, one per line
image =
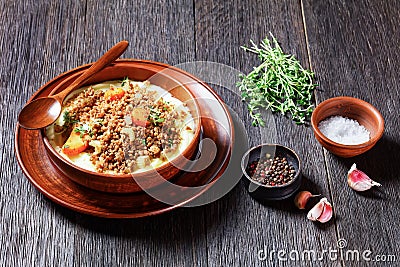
(53, 183)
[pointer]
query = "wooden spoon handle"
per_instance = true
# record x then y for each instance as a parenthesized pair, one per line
(109, 57)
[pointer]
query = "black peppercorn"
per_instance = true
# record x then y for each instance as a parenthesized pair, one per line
(268, 171)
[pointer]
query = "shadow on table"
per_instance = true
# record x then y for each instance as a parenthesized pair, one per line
(288, 204)
(179, 225)
(185, 225)
(381, 163)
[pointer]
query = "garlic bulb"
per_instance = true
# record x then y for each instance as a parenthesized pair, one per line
(321, 212)
(358, 180)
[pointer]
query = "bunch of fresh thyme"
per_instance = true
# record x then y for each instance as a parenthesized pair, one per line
(280, 84)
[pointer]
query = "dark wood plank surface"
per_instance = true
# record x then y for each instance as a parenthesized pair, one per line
(357, 57)
(352, 46)
(253, 226)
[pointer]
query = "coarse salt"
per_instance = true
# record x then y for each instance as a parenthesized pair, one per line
(344, 130)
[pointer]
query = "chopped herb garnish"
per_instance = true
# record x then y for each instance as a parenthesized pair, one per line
(125, 81)
(154, 116)
(99, 121)
(144, 141)
(280, 84)
(84, 129)
(170, 142)
(68, 119)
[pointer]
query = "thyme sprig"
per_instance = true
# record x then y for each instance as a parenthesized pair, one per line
(279, 83)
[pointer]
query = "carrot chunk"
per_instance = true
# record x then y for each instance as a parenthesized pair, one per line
(114, 93)
(75, 144)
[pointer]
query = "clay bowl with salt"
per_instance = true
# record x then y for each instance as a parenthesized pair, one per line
(354, 109)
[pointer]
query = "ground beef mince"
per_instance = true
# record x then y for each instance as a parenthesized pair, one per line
(125, 129)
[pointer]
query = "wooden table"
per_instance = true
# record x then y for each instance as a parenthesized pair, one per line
(352, 46)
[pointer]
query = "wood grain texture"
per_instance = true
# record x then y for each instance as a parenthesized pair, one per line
(43, 44)
(246, 226)
(353, 48)
(351, 45)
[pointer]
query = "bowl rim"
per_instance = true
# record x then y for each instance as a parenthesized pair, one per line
(357, 101)
(78, 70)
(269, 186)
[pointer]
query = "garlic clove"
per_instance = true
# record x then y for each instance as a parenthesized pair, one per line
(358, 180)
(327, 213)
(302, 198)
(321, 212)
(316, 211)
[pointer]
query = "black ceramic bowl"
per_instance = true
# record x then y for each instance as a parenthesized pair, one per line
(267, 192)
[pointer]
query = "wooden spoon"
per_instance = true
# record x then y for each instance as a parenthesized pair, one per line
(44, 111)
